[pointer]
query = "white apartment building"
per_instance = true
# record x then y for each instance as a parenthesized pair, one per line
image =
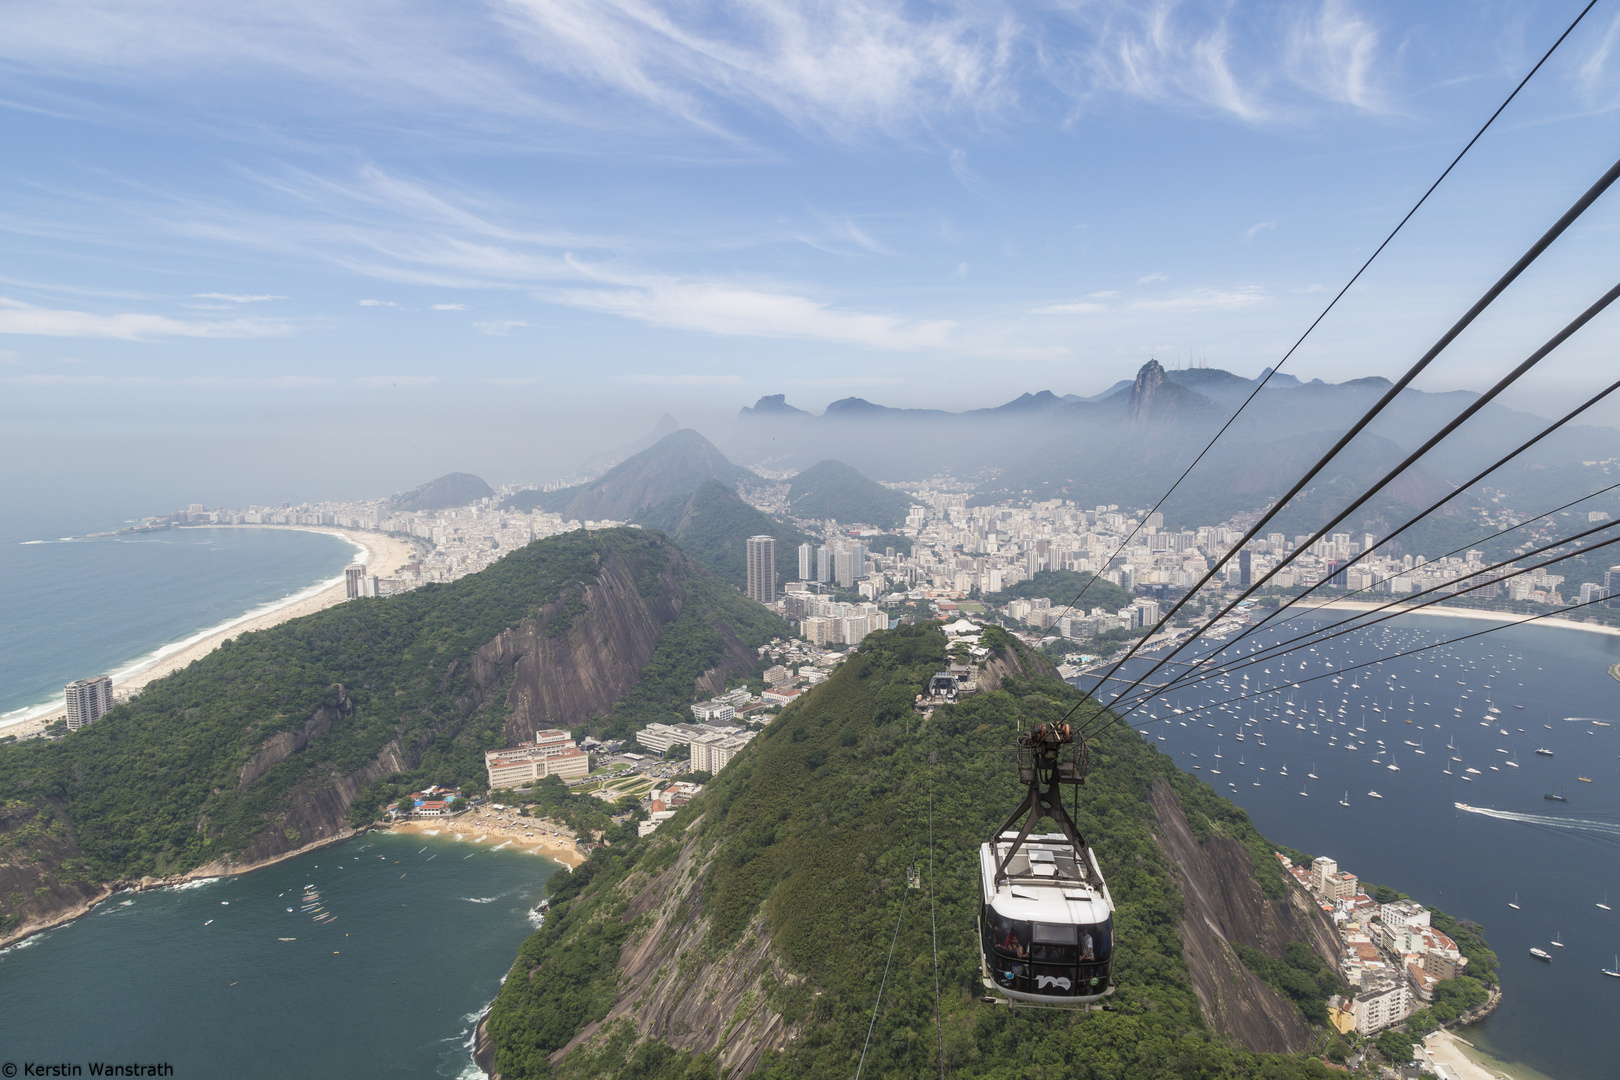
(552, 753)
(711, 753)
(87, 700)
(717, 711)
(1384, 1002)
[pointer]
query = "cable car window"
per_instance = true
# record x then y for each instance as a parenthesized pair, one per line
(1008, 937)
(1097, 941)
(1055, 943)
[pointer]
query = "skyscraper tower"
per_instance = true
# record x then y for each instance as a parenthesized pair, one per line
(807, 562)
(87, 700)
(762, 569)
(824, 563)
(353, 579)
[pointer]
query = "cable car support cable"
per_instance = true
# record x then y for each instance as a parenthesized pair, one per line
(1266, 377)
(1523, 263)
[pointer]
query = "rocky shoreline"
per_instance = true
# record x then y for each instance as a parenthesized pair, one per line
(109, 889)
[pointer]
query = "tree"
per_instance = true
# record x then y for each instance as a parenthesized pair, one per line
(1396, 1045)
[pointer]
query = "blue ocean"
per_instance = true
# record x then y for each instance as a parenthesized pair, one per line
(76, 608)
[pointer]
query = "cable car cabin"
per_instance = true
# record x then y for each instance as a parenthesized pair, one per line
(1047, 925)
(943, 686)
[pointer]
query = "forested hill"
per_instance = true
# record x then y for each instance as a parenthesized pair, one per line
(831, 489)
(750, 934)
(713, 525)
(294, 734)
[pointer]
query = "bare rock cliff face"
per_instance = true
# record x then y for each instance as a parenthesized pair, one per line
(1225, 907)
(1005, 663)
(688, 1003)
(563, 680)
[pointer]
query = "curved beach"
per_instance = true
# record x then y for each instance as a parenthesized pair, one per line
(379, 551)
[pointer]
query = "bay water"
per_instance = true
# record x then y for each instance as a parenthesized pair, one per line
(1461, 723)
(217, 978)
(77, 608)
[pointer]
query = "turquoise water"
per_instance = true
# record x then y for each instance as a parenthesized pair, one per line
(75, 609)
(391, 987)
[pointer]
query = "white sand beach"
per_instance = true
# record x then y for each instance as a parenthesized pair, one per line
(382, 553)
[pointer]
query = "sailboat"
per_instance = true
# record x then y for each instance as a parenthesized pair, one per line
(1312, 773)
(1346, 800)
(1515, 904)
(1614, 971)
(1605, 905)
(1556, 942)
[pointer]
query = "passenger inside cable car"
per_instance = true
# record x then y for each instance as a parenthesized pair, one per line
(1054, 959)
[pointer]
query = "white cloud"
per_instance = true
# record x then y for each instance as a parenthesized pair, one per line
(377, 303)
(20, 318)
(681, 380)
(1254, 230)
(1073, 307)
(1106, 294)
(449, 307)
(737, 310)
(1206, 300)
(499, 327)
(235, 298)
(1333, 53)
(1149, 279)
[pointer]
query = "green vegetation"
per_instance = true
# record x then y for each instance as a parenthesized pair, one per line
(448, 491)
(207, 759)
(1301, 975)
(1061, 587)
(831, 489)
(713, 525)
(813, 830)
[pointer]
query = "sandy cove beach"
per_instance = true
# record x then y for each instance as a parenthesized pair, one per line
(1459, 1059)
(496, 831)
(384, 554)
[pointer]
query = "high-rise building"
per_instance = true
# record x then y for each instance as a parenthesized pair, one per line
(1245, 568)
(844, 567)
(87, 700)
(762, 568)
(354, 579)
(807, 562)
(1611, 582)
(824, 563)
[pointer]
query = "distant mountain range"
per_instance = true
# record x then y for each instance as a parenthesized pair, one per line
(446, 493)
(1130, 443)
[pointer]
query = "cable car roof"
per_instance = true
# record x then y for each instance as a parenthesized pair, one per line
(1045, 881)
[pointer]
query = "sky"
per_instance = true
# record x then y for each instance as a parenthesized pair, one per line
(252, 253)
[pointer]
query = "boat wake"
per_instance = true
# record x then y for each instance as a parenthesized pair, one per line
(1550, 821)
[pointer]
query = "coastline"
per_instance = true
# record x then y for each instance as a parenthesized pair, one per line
(1455, 1058)
(556, 846)
(1463, 613)
(380, 551)
(110, 889)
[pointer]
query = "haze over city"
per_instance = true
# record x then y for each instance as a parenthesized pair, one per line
(352, 249)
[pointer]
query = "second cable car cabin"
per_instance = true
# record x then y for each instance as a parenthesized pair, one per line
(1047, 925)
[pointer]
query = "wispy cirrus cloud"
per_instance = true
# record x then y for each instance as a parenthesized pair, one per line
(235, 298)
(740, 310)
(1073, 307)
(20, 318)
(1205, 300)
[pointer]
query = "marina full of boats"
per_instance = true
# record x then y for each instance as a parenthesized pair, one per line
(1457, 774)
